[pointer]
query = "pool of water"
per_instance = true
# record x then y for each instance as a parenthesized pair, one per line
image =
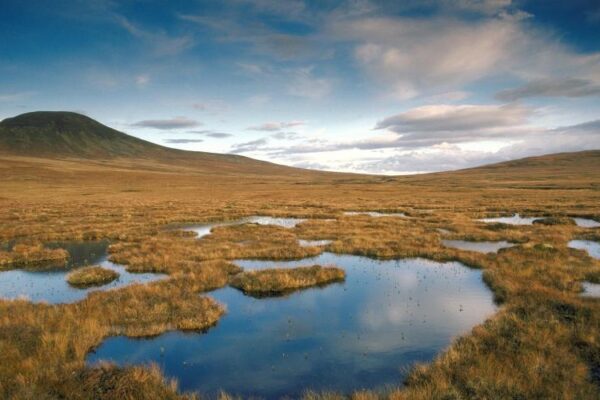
(205, 229)
(50, 285)
(311, 243)
(593, 248)
(586, 223)
(591, 289)
(362, 333)
(514, 220)
(481, 247)
(375, 214)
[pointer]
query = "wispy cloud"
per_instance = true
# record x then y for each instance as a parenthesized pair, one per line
(16, 96)
(252, 145)
(162, 44)
(183, 141)
(167, 124)
(275, 126)
(304, 83)
(212, 134)
(455, 118)
(569, 87)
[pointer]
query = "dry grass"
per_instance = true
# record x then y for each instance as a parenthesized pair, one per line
(544, 343)
(91, 276)
(278, 281)
(32, 257)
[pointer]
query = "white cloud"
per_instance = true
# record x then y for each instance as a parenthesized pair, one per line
(415, 56)
(275, 126)
(303, 83)
(453, 118)
(250, 146)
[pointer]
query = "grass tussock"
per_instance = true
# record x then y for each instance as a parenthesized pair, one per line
(278, 281)
(91, 276)
(32, 257)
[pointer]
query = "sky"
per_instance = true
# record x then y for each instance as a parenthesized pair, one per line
(382, 87)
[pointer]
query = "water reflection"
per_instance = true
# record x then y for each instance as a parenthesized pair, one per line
(375, 214)
(205, 229)
(591, 289)
(593, 248)
(50, 285)
(311, 243)
(357, 334)
(481, 247)
(586, 223)
(514, 220)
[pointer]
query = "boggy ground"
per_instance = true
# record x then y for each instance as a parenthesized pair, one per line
(91, 276)
(543, 343)
(279, 281)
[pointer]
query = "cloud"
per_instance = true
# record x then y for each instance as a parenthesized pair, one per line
(242, 26)
(452, 118)
(213, 107)
(15, 96)
(142, 80)
(183, 141)
(304, 84)
(251, 68)
(252, 145)
(161, 43)
(569, 87)
(275, 126)
(285, 135)
(166, 124)
(212, 134)
(412, 56)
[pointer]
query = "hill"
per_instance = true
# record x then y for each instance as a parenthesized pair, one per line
(68, 135)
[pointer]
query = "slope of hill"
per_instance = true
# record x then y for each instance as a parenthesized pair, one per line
(68, 135)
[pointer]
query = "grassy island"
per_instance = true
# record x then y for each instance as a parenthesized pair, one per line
(278, 281)
(91, 276)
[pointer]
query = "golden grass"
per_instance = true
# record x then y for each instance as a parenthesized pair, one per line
(278, 281)
(32, 257)
(544, 343)
(91, 276)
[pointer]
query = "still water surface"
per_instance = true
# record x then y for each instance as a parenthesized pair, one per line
(593, 248)
(514, 220)
(205, 229)
(49, 285)
(586, 223)
(361, 333)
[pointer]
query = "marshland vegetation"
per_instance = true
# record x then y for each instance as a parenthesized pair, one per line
(544, 342)
(91, 276)
(278, 281)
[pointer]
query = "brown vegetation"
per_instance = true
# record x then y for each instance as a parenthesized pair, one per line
(91, 276)
(544, 343)
(32, 256)
(278, 281)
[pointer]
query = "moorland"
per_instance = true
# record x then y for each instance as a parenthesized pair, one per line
(84, 181)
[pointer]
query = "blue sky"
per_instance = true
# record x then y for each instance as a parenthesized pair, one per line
(363, 86)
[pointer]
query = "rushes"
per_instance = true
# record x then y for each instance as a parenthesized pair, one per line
(32, 256)
(91, 276)
(278, 281)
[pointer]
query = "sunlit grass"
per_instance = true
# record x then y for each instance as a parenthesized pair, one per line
(544, 342)
(91, 276)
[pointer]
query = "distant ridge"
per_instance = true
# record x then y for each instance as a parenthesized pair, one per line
(61, 134)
